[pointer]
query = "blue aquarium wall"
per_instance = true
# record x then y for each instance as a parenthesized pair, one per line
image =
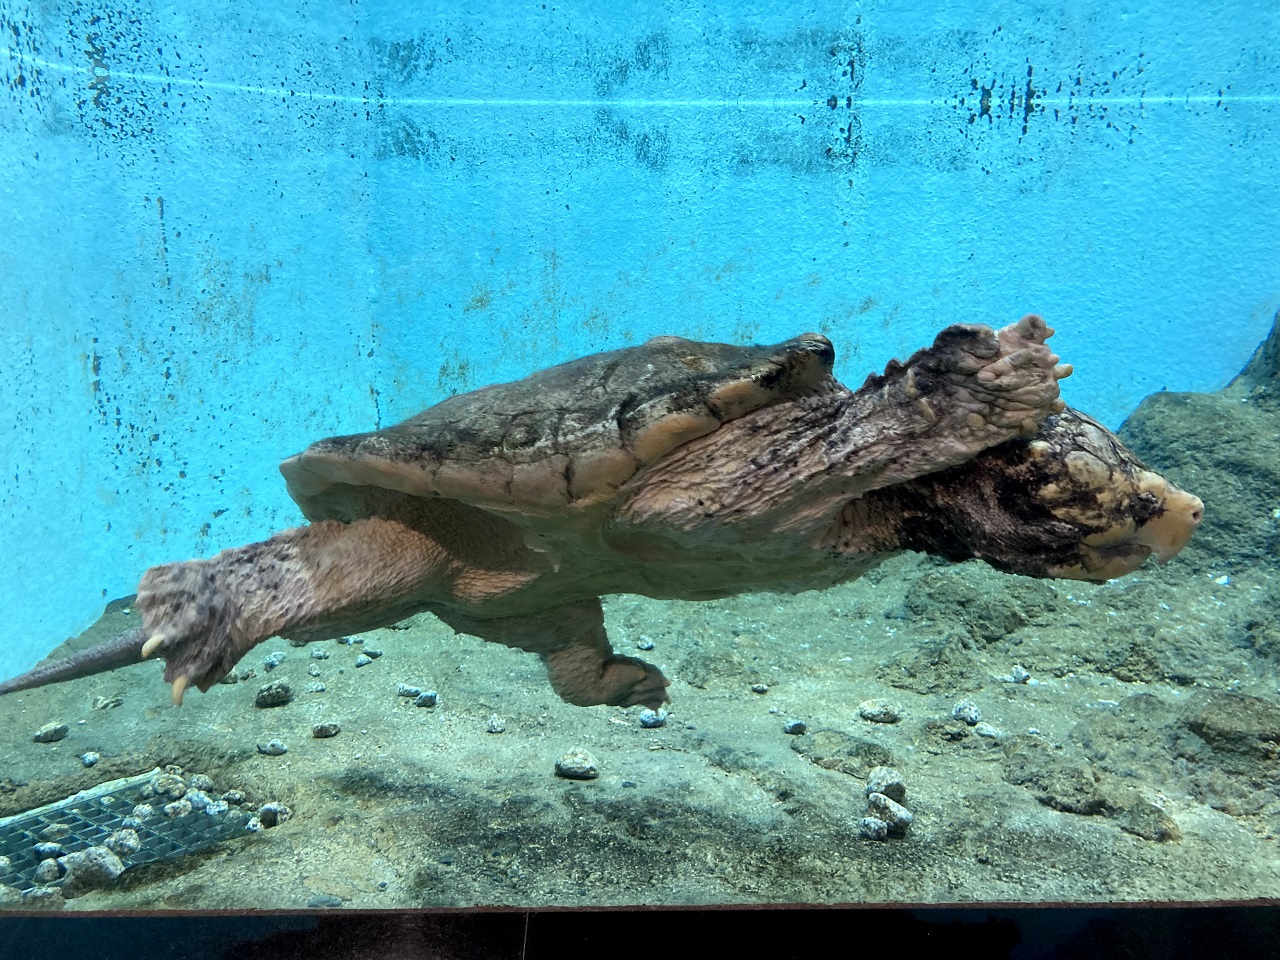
(230, 229)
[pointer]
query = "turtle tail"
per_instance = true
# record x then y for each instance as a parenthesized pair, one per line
(118, 652)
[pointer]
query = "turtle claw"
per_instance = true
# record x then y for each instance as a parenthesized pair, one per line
(151, 645)
(179, 688)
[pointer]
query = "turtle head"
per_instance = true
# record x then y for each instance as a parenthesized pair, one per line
(1072, 502)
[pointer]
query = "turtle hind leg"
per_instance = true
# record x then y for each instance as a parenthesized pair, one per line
(572, 642)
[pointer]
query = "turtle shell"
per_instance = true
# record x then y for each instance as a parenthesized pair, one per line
(565, 437)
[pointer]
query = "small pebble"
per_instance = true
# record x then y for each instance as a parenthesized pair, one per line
(404, 690)
(323, 731)
(107, 703)
(319, 654)
(234, 796)
(873, 828)
(496, 725)
(966, 711)
(51, 733)
(201, 781)
(985, 729)
(316, 687)
(428, 698)
(298, 643)
(274, 694)
(890, 811)
(48, 849)
(323, 901)
(273, 660)
(880, 710)
(47, 872)
(56, 831)
(123, 843)
(1019, 674)
(198, 799)
(313, 671)
(350, 641)
(272, 813)
(759, 688)
(795, 727)
(644, 643)
(143, 810)
(217, 808)
(131, 823)
(628, 783)
(888, 781)
(577, 765)
(273, 748)
(178, 808)
(89, 758)
(649, 719)
(363, 660)
(371, 652)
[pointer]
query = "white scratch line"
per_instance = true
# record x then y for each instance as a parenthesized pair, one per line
(694, 104)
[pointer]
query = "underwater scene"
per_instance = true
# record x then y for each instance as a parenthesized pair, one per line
(513, 455)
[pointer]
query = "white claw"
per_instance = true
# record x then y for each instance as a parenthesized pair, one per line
(1063, 370)
(179, 687)
(150, 646)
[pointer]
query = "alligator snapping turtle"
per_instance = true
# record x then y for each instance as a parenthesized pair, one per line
(674, 469)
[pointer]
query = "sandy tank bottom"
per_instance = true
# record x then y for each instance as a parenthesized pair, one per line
(1049, 741)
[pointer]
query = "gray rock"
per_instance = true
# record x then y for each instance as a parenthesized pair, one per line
(404, 690)
(234, 796)
(650, 719)
(89, 758)
(178, 808)
(200, 781)
(427, 699)
(273, 813)
(323, 731)
(873, 828)
(967, 712)
(43, 898)
(759, 688)
(47, 871)
(50, 733)
(323, 901)
(496, 725)
(644, 643)
(363, 660)
(167, 785)
(890, 811)
(198, 799)
(319, 654)
(273, 660)
(880, 710)
(123, 843)
(316, 687)
(48, 849)
(887, 781)
(91, 868)
(55, 831)
(577, 765)
(795, 727)
(273, 748)
(274, 694)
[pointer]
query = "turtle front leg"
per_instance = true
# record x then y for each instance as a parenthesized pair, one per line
(581, 664)
(311, 583)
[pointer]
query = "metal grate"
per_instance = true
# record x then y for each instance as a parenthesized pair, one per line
(92, 815)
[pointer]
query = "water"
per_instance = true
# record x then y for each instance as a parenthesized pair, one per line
(235, 233)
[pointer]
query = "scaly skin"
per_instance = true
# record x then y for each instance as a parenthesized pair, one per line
(805, 492)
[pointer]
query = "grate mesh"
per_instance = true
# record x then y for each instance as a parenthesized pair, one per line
(89, 817)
